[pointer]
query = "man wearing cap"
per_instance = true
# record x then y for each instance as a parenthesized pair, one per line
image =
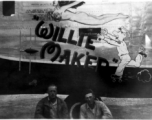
(117, 39)
(51, 106)
(94, 109)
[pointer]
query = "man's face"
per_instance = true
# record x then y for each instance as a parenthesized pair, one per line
(89, 98)
(55, 3)
(119, 35)
(52, 92)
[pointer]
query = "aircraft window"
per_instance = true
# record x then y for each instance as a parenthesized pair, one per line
(8, 8)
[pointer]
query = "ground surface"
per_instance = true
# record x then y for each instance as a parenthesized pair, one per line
(23, 106)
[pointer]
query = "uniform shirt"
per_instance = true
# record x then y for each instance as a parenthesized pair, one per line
(92, 110)
(43, 109)
(122, 49)
(99, 111)
(53, 109)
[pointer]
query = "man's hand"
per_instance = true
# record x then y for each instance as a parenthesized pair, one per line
(104, 31)
(100, 37)
(102, 34)
(119, 42)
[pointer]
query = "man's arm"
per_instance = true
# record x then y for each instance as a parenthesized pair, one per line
(111, 36)
(112, 42)
(108, 35)
(39, 110)
(109, 40)
(65, 114)
(106, 112)
(82, 113)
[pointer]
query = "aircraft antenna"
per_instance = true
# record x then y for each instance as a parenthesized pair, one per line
(20, 50)
(35, 42)
(30, 51)
(30, 54)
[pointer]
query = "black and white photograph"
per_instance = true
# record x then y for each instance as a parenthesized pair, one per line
(64, 59)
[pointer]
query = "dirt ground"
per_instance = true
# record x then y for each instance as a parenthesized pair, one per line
(23, 106)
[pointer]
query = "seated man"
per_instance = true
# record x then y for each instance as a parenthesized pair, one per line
(51, 106)
(93, 109)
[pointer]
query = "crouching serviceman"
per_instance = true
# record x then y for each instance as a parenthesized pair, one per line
(93, 109)
(51, 106)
